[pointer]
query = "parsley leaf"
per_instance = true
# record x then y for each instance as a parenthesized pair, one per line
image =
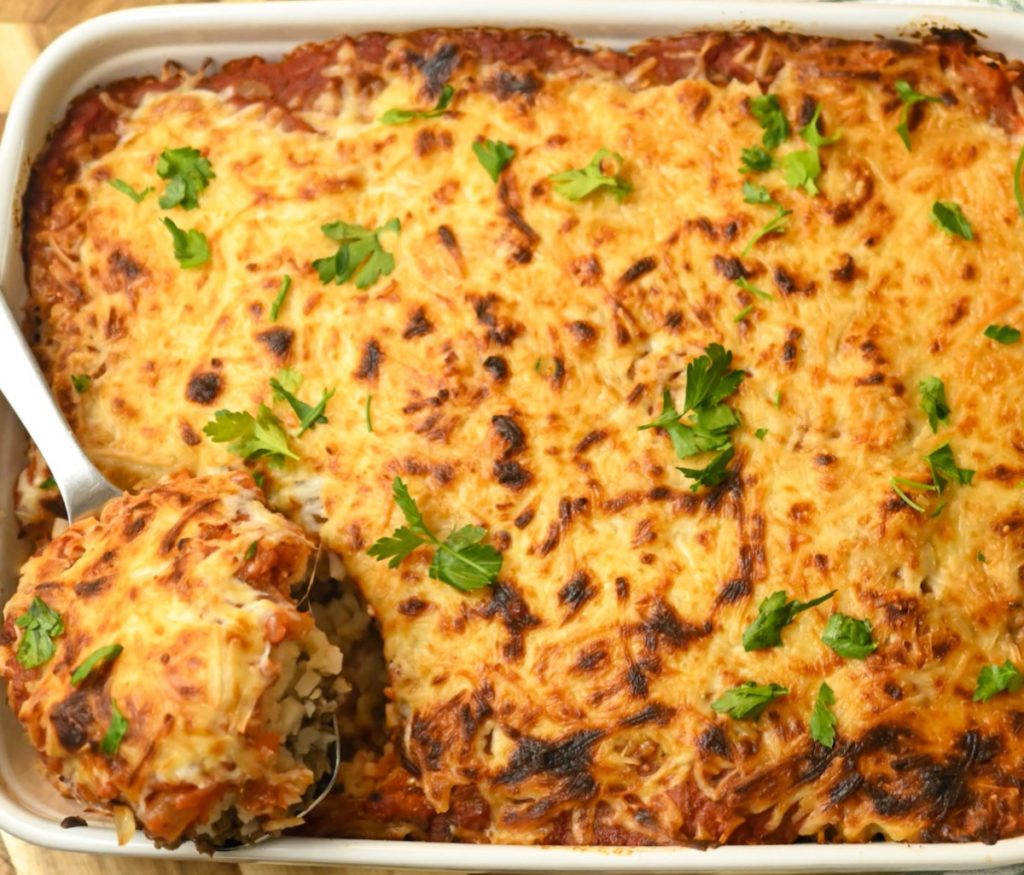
(755, 160)
(125, 188)
(747, 287)
(103, 654)
(823, 719)
(250, 551)
(48, 483)
(282, 292)
(744, 313)
(253, 437)
(761, 433)
(773, 614)
(461, 560)
(41, 625)
(369, 417)
(849, 637)
(118, 727)
(778, 225)
(191, 248)
(933, 402)
(401, 116)
(756, 194)
(81, 383)
(359, 250)
(765, 108)
(950, 218)
(709, 381)
(748, 700)
(493, 156)
(993, 679)
(802, 169)
(944, 468)
(187, 174)
(576, 184)
(909, 97)
(1003, 333)
(310, 416)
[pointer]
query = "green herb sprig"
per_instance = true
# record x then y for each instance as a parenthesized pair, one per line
(359, 254)
(773, 614)
(460, 560)
(41, 624)
(748, 701)
(403, 116)
(909, 97)
(576, 184)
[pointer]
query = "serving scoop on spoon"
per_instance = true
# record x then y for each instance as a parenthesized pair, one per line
(82, 487)
(85, 492)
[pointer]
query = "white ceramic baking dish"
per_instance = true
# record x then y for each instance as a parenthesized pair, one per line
(139, 41)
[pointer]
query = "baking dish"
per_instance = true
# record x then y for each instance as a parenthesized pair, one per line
(107, 49)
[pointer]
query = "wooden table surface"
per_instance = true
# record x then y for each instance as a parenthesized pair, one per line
(26, 26)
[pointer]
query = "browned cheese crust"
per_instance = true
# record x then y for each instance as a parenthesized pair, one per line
(511, 356)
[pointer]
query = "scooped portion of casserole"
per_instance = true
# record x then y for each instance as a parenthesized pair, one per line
(157, 660)
(662, 404)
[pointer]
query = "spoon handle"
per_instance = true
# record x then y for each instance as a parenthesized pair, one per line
(81, 486)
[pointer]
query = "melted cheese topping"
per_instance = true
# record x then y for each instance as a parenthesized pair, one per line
(208, 634)
(571, 701)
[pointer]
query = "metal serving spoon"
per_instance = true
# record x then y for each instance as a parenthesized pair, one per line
(82, 487)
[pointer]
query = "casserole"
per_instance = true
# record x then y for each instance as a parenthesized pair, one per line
(649, 859)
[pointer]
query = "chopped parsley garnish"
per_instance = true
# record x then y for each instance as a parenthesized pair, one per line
(756, 160)
(118, 727)
(359, 254)
(756, 194)
(778, 225)
(773, 614)
(493, 156)
(369, 416)
(460, 560)
(125, 188)
(754, 290)
(187, 174)
(48, 483)
(253, 437)
(282, 293)
(944, 468)
(401, 116)
(823, 719)
(761, 433)
(777, 399)
(191, 248)
(950, 218)
(993, 679)
(41, 625)
(802, 169)
(81, 383)
(250, 552)
(934, 403)
(981, 557)
(103, 654)
(709, 381)
(849, 637)
(748, 700)
(310, 416)
(1003, 333)
(744, 313)
(909, 97)
(576, 184)
(765, 108)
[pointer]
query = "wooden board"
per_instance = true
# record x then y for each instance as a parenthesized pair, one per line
(26, 26)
